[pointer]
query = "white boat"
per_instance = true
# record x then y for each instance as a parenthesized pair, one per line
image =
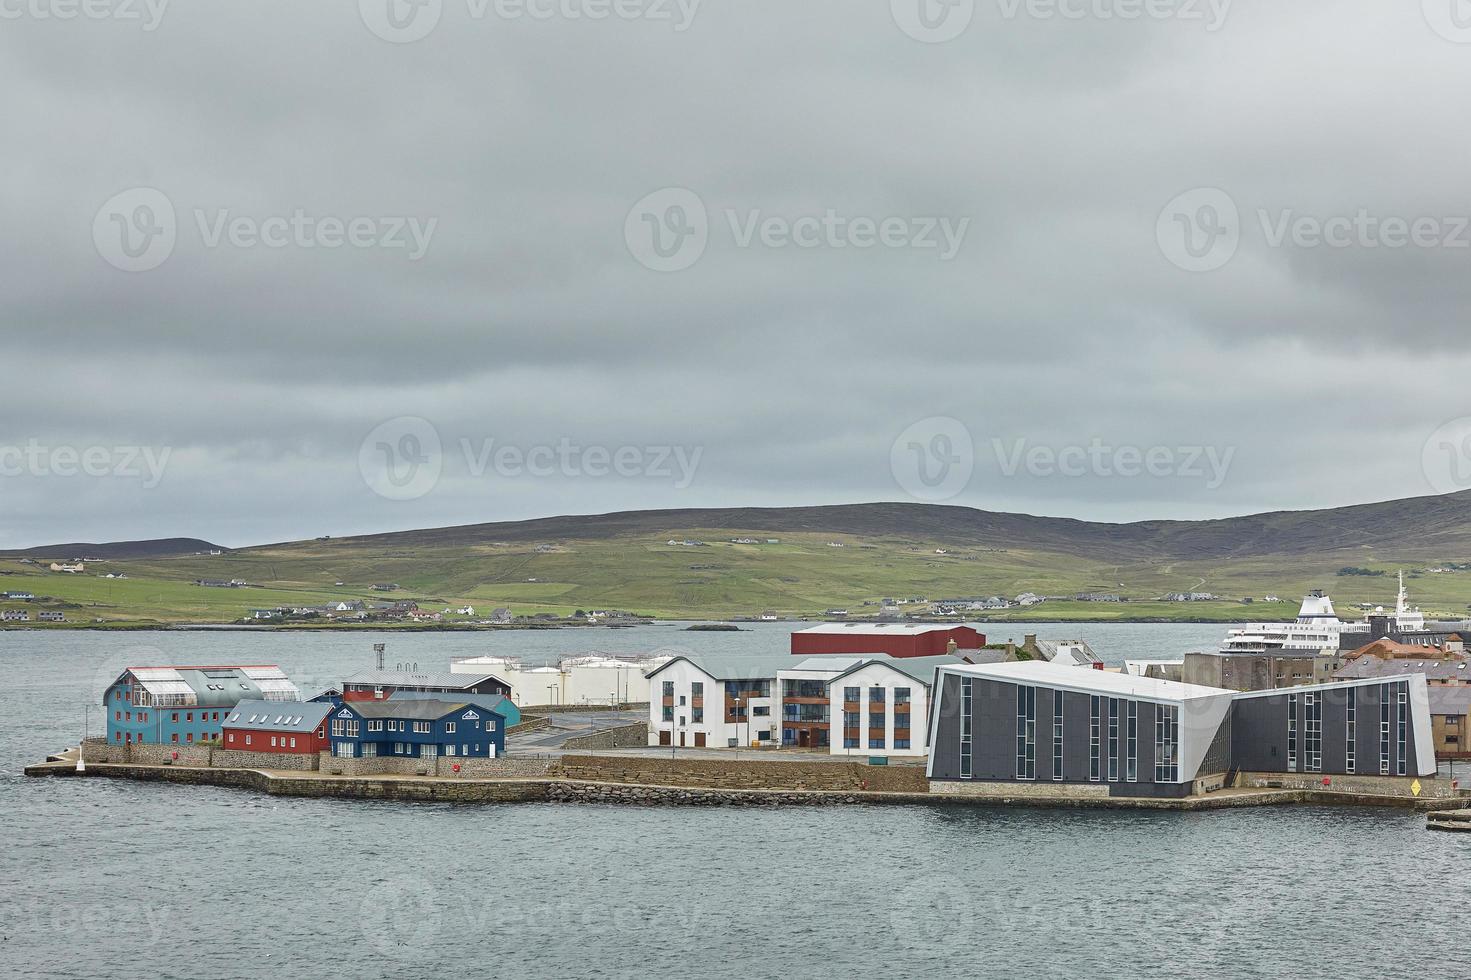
(1317, 628)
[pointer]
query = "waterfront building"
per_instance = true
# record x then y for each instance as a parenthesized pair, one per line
(1449, 668)
(379, 685)
(1450, 721)
(1242, 670)
(893, 639)
(15, 616)
(291, 728)
(1032, 729)
(498, 703)
(880, 705)
(868, 705)
(596, 678)
(715, 701)
(416, 729)
(184, 705)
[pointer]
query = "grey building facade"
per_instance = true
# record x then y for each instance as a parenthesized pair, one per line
(1032, 726)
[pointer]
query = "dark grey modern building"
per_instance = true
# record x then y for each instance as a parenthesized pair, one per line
(1040, 729)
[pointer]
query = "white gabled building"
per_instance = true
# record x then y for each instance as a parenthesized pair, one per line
(872, 705)
(699, 701)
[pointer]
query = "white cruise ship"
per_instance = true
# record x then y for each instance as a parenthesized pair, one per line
(1317, 628)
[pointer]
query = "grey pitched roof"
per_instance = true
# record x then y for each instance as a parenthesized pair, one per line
(921, 669)
(732, 668)
(414, 710)
(1366, 666)
(297, 717)
(1448, 700)
(490, 702)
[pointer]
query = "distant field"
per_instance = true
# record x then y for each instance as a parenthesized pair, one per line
(801, 576)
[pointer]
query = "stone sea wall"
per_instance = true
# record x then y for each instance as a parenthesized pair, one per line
(627, 737)
(743, 774)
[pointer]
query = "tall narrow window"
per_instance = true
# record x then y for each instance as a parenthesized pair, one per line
(1292, 733)
(1352, 733)
(1026, 733)
(965, 718)
(1095, 731)
(1313, 703)
(1385, 693)
(1131, 739)
(1113, 740)
(1056, 734)
(1166, 743)
(1402, 725)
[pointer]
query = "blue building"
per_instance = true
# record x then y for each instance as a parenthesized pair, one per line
(416, 729)
(185, 705)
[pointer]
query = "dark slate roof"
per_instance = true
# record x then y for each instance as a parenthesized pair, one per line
(1366, 667)
(1448, 700)
(490, 702)
(297, 717)
(412, 710)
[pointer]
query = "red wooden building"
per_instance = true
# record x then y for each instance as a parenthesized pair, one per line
(895, 639)
(291, 727)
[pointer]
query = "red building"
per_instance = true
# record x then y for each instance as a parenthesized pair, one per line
(291, 727)
(895, 639)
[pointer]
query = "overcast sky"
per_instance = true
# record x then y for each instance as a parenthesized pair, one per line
(261, 259)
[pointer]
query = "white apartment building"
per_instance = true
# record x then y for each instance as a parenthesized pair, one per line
(714, 702)
(872, 705)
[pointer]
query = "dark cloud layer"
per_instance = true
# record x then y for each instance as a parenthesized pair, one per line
(1062, 322)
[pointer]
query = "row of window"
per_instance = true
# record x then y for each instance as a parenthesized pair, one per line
(1393, 731)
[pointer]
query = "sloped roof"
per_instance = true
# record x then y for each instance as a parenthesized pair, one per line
(1089, 681)
(298, 717)
(413, 710)
(731, 668)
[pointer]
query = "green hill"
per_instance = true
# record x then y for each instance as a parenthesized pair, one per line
(625, 561)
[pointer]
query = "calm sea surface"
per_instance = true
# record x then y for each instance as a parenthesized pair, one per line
(102, 878)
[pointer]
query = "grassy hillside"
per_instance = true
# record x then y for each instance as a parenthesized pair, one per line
(624, 561)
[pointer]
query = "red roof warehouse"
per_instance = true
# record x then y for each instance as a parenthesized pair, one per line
(895, 639)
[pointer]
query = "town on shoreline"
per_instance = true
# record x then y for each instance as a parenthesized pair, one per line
(856, 712)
